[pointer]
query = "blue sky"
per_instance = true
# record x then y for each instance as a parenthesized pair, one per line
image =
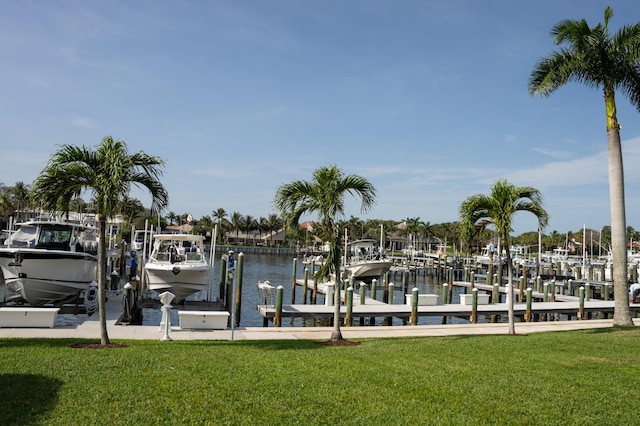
(426, 99)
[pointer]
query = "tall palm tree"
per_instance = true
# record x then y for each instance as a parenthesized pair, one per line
(596, 58)
(20, 193)
(498, 209)
(274, 225)
(108, 172)
(324, 195)
(219, 214)
(237, 222)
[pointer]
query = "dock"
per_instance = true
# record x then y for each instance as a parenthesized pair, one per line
(562, 301)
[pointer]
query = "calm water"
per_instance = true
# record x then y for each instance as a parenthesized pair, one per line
(278, 270)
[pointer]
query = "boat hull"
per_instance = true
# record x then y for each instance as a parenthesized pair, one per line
(181, 280)
(46, 276)
(369, 270)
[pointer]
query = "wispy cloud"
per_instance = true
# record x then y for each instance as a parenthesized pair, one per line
(83, 122)
(553, 153)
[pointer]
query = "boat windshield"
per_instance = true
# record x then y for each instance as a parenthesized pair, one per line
(54, 237)
(25, 236)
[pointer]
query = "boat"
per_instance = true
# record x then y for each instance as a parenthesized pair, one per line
(45, 262)
(365, 261)
(177, 264)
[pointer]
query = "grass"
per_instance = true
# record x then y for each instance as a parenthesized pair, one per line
(563, 378)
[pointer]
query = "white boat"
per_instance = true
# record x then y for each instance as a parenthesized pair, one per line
(45, 262)
(177, 264)
(365, 261)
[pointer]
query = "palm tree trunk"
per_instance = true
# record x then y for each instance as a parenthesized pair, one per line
(102, 277)
(621, 313)
(512, 326)
(336, 334)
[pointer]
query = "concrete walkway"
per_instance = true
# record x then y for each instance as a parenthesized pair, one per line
(90, 329)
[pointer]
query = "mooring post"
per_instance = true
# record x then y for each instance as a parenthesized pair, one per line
(472, 280)
(581, 308)
(390, 298)
(374, 288)
(293, 281)
(363, 292)
(587, 291)
(527, 316)
(127, 296)
(496, 293)
(223, 279)
(349, 316)
(414, 306)
(279, 295)
(545, 294)
(445, 299)
(305, 285)
(238, 282)
(553, 290)
(539, 284)
(605, 291)
(474, 306)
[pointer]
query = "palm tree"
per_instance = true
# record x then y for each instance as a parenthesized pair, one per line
(171, 217)
(237, 222)
(498, 209)
(20, 193)
(274, 225)
(324, 195)
(108, 172)
(596, 58)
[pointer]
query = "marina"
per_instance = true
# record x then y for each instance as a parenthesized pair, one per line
(251, 309)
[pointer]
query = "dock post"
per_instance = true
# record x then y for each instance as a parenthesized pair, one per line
(389, 300)
(581, 308)
(570, 287)
(293, 281)
(587, 291)
(374, 285)
(545, 293)
(539, 284)
(414, 306)
(238, 278)
(363, 292)
(223, 279)
(314, 294)
(553, 290)
(605, 291)
(496, 293)
(305, 285)
(474, 306)
(527, 315)
(349, 315)
(521, 288)
(445, 299)
(472, 280)
(279, 295)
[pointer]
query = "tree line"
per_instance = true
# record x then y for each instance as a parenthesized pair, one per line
(17, 201)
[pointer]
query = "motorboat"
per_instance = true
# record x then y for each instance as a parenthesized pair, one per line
(177, 264)
(45, 262)
(365, 261)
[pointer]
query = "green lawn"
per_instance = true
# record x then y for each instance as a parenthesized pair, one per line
(564, 378)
